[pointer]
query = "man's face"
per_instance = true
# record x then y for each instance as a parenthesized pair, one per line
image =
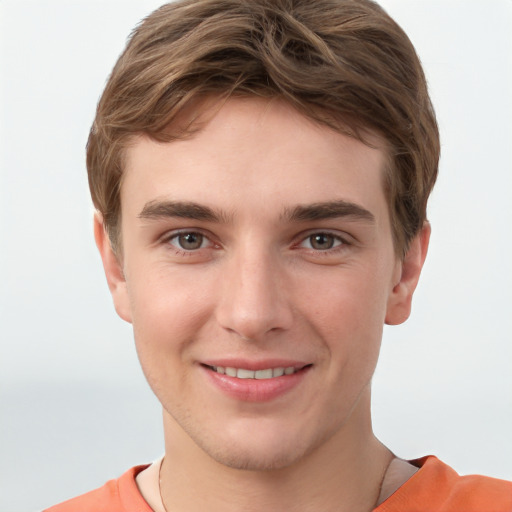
(260, 246)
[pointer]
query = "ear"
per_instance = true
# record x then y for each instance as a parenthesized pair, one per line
(113, 270)
(409, 270)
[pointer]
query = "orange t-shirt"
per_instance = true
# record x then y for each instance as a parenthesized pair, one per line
(434, 488)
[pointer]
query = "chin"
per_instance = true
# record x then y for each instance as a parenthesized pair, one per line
(254, 459)
(259, 448)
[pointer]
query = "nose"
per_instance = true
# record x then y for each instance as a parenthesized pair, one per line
(254, 299)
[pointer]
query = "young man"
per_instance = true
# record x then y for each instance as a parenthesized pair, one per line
(261, 171)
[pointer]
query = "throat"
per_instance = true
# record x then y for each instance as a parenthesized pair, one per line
(275, 490)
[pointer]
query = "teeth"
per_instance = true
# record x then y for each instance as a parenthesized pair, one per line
(242, 373)
(277, 372)
(263, 374)
(231, 372)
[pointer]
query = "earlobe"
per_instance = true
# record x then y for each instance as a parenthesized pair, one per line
(399, 302)
(113, 270)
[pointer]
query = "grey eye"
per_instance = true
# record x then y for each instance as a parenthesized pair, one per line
(189, 241)
(322, 241)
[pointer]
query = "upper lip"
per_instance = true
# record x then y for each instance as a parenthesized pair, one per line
(251, 364)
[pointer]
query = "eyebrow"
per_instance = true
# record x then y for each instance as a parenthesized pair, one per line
(329, 210)
(184, 210)
(300, 213)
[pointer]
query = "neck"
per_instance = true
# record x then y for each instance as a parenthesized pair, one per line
(343, 474)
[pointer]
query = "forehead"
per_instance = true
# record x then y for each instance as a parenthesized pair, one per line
(261, 148)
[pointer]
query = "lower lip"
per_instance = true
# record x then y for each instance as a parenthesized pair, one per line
(256, 390)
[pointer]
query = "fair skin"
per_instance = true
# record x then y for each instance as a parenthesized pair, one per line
(262, 243)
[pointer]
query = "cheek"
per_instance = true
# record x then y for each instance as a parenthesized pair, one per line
(166, 317)
(165, 300)
(348, 300)
(348, 315)
(168, 312)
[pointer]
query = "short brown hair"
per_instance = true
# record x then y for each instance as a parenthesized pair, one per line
(344, 63)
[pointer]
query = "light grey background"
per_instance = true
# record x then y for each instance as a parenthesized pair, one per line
(74, 407)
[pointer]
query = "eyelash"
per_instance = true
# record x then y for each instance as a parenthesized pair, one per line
(182, 251)
(340, 243)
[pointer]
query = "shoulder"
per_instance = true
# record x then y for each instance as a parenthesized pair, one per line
(119, 495)
(436, 486)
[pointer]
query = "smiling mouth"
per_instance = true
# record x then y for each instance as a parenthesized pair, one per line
(268, 373)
